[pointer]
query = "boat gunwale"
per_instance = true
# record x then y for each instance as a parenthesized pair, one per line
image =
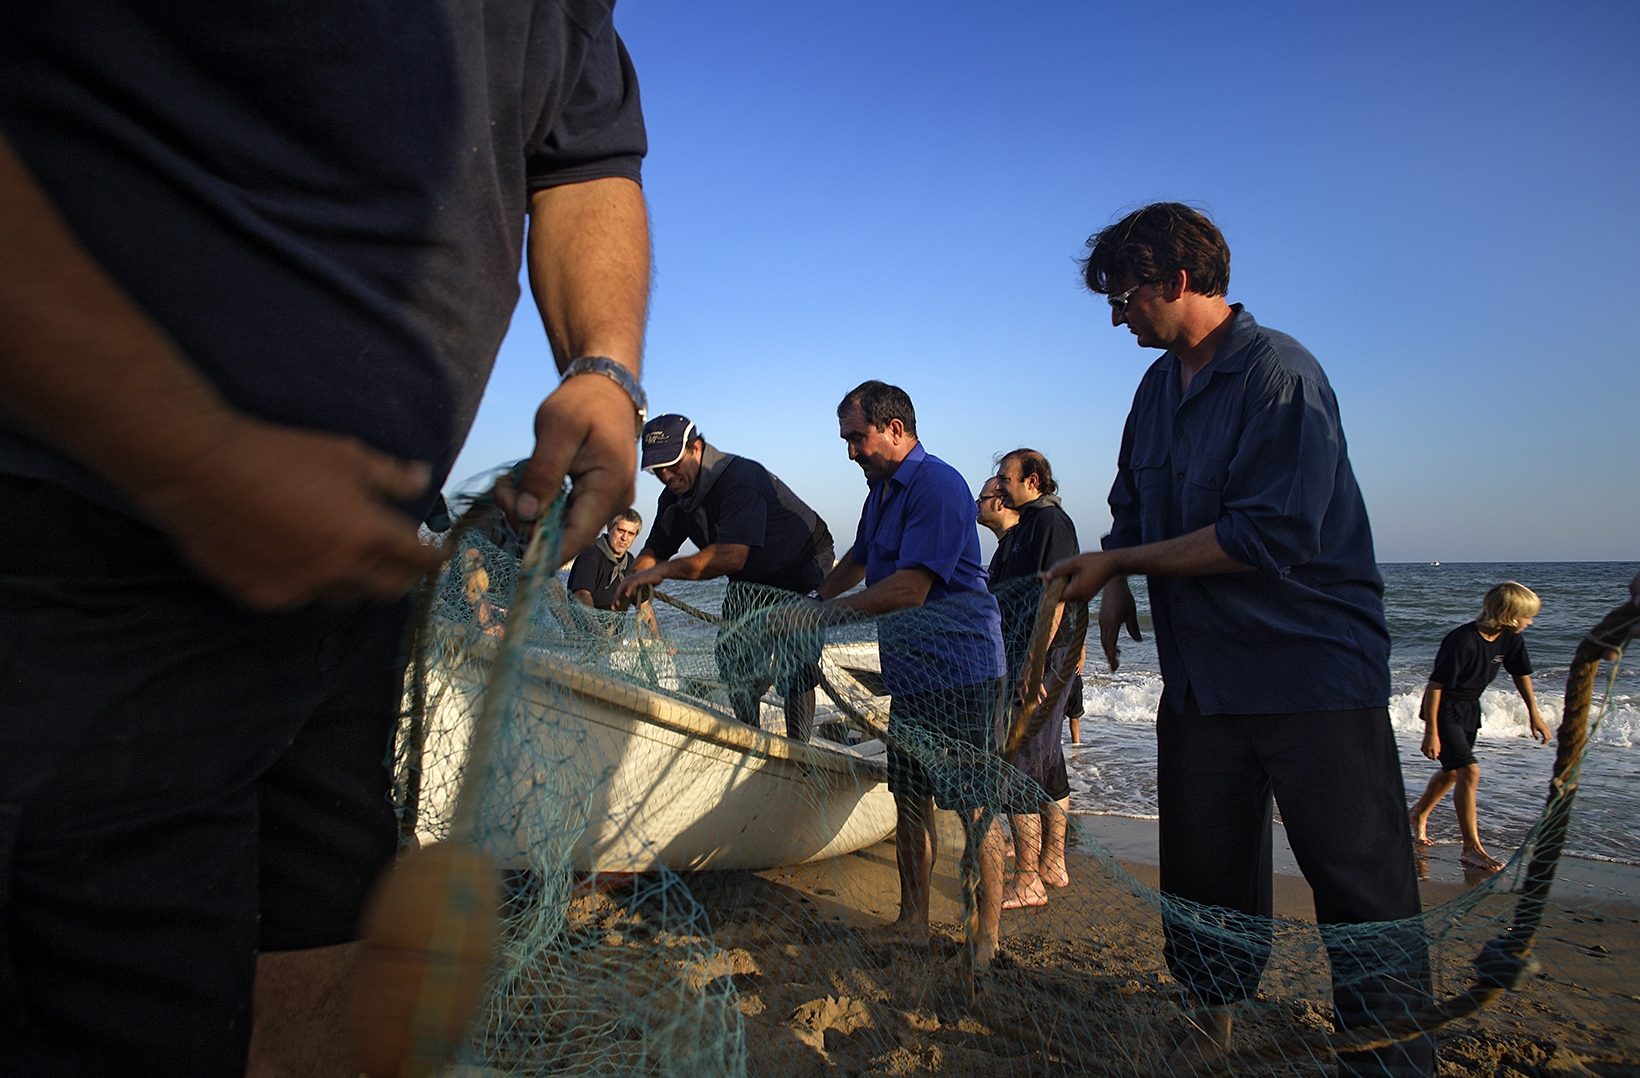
(683, 716)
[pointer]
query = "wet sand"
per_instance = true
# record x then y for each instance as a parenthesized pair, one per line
(1082, 986)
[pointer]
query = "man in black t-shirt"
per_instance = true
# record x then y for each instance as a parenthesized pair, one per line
(749, 527)
(597, 573)
(1043, 537)
(1468, 660)
(254, 280)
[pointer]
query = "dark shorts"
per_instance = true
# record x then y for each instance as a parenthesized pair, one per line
(1042, 759)
(943, 745)
(751, 659)
(182, 784)
(1458, 723)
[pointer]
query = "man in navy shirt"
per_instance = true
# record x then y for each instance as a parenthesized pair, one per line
(748, 526)
(918, 547)
(1235, 498)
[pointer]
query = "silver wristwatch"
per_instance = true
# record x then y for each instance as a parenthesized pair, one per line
(622, 377)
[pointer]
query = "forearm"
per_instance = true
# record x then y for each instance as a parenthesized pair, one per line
(843, 576)
(1195, 554)
(1431, 708)
(582, 596)
(82, 365)
(714, 561)
(1523, 685)
(589, 269)
(903, 588)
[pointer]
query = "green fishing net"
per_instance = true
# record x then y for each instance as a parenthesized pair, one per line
(688, 894)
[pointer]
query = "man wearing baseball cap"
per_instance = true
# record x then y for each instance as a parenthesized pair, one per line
(751, 528)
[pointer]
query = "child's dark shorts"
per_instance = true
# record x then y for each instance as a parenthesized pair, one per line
(1458, 724)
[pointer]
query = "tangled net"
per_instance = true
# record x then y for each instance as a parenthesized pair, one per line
(685, 894)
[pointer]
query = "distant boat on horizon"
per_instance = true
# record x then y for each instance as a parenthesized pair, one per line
(1434, 563)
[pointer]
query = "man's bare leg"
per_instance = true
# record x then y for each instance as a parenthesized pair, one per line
(1055, 817)
(800, 715)
(298, 1014)
(1025, 887)
(915, 848)
(988, 895)
(1418, 815)
(1076, 731)
(1474, 854)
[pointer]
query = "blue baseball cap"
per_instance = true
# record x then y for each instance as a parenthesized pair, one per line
(665, 439)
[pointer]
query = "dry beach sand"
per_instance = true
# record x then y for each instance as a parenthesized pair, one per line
(1082, 987)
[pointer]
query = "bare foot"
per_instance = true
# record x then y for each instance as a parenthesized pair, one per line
(1478, 858)
(1204, 1038)
(1024, 889)
(905, 931)
(1054, 874)
(982, 955)
(1419, 834)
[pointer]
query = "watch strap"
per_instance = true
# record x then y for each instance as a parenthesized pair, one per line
(619, 374)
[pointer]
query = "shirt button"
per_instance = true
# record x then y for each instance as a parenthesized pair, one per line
(1181, 475)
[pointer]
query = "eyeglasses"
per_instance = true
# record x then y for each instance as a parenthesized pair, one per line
(1119, 304)
(983, 498)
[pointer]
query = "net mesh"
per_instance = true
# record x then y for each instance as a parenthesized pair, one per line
(685, 893)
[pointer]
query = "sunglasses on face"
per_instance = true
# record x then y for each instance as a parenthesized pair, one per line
(1119, 303)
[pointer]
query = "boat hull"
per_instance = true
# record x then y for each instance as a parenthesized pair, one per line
(646, 780)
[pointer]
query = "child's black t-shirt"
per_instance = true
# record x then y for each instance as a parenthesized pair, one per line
(1467, 662)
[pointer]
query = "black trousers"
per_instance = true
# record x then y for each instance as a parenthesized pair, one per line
(182, 784)
(1337, 777)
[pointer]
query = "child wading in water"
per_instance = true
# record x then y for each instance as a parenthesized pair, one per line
(1466, 664)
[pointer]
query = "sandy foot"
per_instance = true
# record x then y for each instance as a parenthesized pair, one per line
(1024, 889)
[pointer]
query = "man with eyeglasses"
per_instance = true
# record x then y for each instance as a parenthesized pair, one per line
(1234, 497)
(748, 526)
(994, 514)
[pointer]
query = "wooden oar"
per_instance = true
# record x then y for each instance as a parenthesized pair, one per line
(430, 925)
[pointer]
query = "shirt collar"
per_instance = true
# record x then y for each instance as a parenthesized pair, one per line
(1231, 354)
(908, 467)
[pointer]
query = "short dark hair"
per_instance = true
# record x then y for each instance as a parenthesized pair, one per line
(881, 404)
(1155, 243)
(628, 515)
(1032, 463)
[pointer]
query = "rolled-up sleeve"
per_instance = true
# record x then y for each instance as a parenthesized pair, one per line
(1125, 528)
(599, 131)
(1281, 477)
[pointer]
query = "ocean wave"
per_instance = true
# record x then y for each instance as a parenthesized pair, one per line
(1604, 859)
(1123, 815)
(1503, 715)
(1122, 697)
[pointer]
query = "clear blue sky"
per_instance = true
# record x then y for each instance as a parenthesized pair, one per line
(1440, 201)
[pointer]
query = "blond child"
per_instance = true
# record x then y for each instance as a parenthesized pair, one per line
(1468, 660)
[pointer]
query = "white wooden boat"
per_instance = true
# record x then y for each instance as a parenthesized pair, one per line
(673, 784)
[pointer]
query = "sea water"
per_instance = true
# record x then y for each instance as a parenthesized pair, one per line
(1113, 770)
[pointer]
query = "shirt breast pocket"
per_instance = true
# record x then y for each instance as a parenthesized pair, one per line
(1201, 502)
(887, 538)
(1151, 478)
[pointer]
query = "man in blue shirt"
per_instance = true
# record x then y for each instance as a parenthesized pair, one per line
(1235, 497)
(918, 547)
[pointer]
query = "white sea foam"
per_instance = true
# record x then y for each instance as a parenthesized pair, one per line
(1123, 696)
(1503, 715)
